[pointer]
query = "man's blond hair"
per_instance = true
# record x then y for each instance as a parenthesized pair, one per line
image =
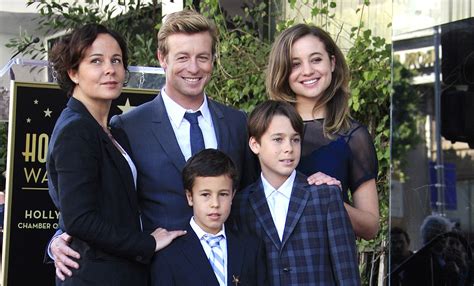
(188, 22)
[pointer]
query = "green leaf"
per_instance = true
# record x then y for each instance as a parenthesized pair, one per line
(292, 3)
(315, 12)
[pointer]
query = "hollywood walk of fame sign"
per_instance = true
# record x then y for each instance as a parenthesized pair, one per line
(30, 216)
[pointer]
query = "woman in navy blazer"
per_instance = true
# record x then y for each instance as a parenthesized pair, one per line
(92, 179)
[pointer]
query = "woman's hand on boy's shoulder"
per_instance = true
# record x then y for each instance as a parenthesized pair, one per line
(320, 178)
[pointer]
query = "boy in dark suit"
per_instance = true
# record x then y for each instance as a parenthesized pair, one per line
(307, 233)
(210, 254)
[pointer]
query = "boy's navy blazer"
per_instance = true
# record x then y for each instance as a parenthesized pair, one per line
(159, 159)
(91, 183)
(184, 262)
(318, 246)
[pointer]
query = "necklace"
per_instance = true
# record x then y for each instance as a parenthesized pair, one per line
(116, 144)
(107, 131)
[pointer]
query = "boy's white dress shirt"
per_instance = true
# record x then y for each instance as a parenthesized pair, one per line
(278, 201)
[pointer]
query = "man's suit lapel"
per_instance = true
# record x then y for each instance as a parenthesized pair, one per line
(164, 133)
(220, 127)
(259, 204)
(162, 125)
(193, 251)
(235, 256)
(299, 199)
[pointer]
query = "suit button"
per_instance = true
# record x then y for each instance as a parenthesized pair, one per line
(286, 269)
(139, 258)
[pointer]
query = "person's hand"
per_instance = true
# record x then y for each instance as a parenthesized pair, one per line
(321, 178)
(163, 237)
(63, 255)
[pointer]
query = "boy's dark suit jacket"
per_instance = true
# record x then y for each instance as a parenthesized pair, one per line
(92, 185)
(184, 262)
(318, 246)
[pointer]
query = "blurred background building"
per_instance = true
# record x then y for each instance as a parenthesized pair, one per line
(433, 40)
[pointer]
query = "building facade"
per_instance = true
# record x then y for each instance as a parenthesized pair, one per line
(434, 40)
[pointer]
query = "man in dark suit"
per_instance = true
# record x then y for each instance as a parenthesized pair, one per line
(210, 178)
(160, 157)
(306, 230)
(160, 135)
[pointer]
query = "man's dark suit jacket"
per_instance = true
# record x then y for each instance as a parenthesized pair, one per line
(159, 159)
(184, 262)
(92, 185)
(318, 246)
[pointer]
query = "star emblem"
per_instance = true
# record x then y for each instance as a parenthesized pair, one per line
(47, 112)
(35, 101)
(125, 107)
(28, 120)
(235, 279)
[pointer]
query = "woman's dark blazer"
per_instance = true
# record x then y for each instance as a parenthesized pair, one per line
(92, 185)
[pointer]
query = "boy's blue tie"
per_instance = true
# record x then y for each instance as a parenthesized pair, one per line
(217, 257)
(196, 138)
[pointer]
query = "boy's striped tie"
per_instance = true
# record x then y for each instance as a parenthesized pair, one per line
(217, 257)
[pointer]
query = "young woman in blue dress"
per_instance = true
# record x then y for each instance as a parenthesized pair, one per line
(307, 69)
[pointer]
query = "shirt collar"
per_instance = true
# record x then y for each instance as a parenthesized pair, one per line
(201, 233)
(285, 189)
(176, 111)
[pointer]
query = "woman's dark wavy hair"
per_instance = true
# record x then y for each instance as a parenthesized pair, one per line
(69, 51)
